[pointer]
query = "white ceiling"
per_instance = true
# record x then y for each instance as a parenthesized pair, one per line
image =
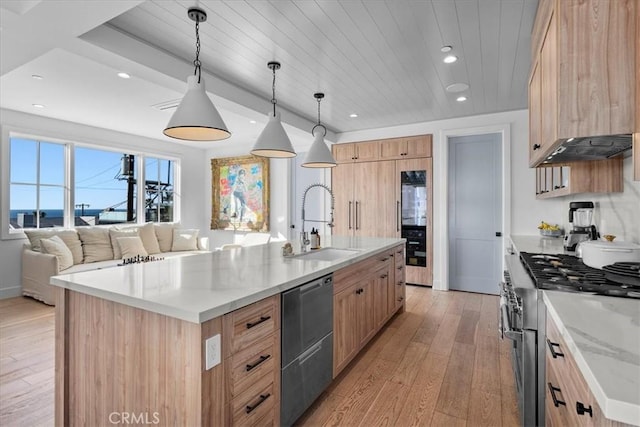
(379, 59)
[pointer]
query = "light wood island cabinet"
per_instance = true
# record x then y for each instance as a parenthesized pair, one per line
(583, 73)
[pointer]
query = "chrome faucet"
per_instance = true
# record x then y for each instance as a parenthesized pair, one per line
(304, 236)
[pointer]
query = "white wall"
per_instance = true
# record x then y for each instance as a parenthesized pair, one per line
(618, 213)
(193, 176)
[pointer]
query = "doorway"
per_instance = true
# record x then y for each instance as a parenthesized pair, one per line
(475, 212)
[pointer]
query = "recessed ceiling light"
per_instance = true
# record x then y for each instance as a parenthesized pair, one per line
(461, 98)
(457, 87)
(253, 122)
(36, 76)
(449, 59)
(38, 105)
(124, 76)
(445, 49)
(353, 115)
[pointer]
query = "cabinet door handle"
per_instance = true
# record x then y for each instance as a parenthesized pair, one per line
(553, 390)
(350, 215)
(263, 397)
(552, 350)
(536, 146)
(257, 322)
(581, 410)
(257, 362)
(397, 215)
(357, 222)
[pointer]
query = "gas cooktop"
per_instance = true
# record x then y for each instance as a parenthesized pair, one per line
(568, 273)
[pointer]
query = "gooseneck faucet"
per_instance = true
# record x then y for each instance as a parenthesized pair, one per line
(304, 237)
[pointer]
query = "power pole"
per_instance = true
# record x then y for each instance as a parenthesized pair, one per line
(82, 206)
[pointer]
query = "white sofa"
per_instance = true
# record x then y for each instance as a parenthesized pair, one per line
(98, 247)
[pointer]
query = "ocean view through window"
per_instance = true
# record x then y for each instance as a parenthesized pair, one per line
(54, 184)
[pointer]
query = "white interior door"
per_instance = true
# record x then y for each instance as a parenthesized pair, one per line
(475, 212)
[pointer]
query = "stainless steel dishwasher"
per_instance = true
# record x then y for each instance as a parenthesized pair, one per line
(307, 346)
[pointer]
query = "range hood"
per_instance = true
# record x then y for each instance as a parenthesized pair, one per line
(590, 148)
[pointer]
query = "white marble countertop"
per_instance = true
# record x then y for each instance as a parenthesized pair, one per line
(538, 244)
(200, 287)
(603, 336)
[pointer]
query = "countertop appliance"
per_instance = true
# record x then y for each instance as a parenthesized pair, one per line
(523, 313)
(580, 216)
(307, 346)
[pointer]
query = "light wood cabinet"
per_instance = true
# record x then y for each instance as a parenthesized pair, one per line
(356, 152)
(406, 147)
(398, 283)
(368, 195)
(573, 89)
(251, 345)
(596, 176)
(568, 399)
(361, 304)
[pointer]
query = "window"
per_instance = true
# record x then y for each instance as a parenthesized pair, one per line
(55, 185)
(158, 190)
(105, 187)
(37, 184)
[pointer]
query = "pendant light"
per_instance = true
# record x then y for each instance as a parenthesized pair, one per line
(196, 118)
(273, 141)
(319, 155)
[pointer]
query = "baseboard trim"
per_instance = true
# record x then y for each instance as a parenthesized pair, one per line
(12, 292)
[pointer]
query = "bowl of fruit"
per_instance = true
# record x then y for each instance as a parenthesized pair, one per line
(550, 230)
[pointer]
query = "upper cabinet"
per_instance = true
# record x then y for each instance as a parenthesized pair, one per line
(583, 73)
(405, 148)
(356, 152)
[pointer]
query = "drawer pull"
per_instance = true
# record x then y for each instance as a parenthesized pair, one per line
(263, 397)
(383, 259)
(384, 276)
(553, 390)
(400, 299)
(582, 410)
(400, 283)
(553, 351)
(258, 362)
(257, 322)
(401, 267)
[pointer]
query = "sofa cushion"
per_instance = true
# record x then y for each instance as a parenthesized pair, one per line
(131, 247)
(54, 245)
(185, 240)
(115, 233)
(164, 233)
(147, 234)
(96, 244)
(69, 237)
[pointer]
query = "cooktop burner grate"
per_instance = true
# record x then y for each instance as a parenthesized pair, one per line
(568, 273)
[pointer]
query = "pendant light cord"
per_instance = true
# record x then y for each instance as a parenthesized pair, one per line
(196, 62)
(273, 89)
(319, 124)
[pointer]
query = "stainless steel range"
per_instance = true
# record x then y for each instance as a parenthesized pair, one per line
(523, 314)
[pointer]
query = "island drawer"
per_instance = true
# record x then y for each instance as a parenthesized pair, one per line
(250, 364)
(249, 324)
(250, 407)
(348, 276)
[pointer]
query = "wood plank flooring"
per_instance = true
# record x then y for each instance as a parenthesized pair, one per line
(439, 363)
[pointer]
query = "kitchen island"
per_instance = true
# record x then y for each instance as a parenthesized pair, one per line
(130, 340)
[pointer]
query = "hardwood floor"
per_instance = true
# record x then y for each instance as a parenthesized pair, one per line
(439, 363)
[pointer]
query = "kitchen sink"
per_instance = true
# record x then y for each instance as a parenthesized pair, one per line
(327, 254)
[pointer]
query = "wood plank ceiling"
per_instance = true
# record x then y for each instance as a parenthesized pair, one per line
(378, 59)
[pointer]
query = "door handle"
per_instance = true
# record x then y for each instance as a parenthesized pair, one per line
(498, 234)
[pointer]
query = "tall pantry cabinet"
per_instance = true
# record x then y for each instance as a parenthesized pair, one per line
(367, 188)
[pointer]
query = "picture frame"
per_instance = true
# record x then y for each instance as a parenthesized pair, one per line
(240, 193)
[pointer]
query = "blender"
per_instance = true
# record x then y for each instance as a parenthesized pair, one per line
(580, 216)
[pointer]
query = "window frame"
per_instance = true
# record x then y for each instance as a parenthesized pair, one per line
(69, 178)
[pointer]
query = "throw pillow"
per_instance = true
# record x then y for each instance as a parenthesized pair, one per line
(131, 247)
(96, 244)
(149, 240)
(164, 233)
(115, 233)
(69, 237)
(185, 240)
(54, 245)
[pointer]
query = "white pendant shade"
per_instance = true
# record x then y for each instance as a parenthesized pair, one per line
(273, 141)
(319, 155)
(196, 118)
